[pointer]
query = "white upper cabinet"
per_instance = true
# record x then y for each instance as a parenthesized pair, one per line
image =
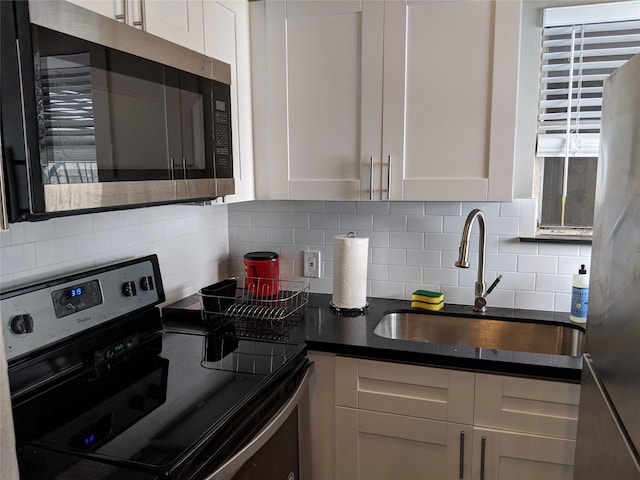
(400, 100)
(226, 37)
(179, 21)
(318, 115)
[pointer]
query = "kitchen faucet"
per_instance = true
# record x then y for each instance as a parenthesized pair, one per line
(480, 302)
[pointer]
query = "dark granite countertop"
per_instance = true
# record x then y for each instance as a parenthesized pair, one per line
(353, 336)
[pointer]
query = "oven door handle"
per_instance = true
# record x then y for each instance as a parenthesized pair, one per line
(231, 466)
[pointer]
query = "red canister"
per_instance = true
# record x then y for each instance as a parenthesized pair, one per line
(262, 273)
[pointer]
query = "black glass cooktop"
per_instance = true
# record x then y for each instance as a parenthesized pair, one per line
(154, 411)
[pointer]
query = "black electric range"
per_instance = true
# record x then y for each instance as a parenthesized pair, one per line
(102, 390)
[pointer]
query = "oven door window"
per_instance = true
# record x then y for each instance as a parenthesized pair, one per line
(108, 116)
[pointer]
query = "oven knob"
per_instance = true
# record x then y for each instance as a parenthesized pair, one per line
(22, 323)
(146, 283)
(129, 289)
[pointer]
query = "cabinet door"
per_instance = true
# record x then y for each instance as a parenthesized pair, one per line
(373, 445)
(179, 21)
(411, 390)
(450, 84)
(323, 109)
(527, 405)
(508, 455)
(226, 38)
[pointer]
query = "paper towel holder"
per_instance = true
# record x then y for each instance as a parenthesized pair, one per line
(350, 311)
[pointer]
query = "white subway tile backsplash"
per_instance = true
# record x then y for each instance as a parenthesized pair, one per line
(387, 290)
(510, 209)
(279, 235)
(553, 283)
(535, 300)
(75, 225)
(412, 245)
(406, 208)
(372, 208)
(503, 226)
(559, 249)
(398, 273)
(324, 220)
(405, 236)
(445, 241)
(489, 209)
(424, 258)
(406, 240)
(378, 272)
(264, 219)
(339, 207)
(308, 236)
(443, 208)
(293, 220)
(18, 258)
(427, 224)
(502, 263)
(571, 265)
(440, 276)
(388, 256)
(563, 302)
(518, 281)
(251, 234)
(390, 223)
(361, 221)
(514, 245)
(537, 264)
(308, 206)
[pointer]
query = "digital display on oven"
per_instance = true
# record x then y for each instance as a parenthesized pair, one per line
(76, 298)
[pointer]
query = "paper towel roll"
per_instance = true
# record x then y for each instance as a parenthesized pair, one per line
(350, 255)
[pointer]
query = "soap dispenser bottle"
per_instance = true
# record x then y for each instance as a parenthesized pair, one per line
(579, 296)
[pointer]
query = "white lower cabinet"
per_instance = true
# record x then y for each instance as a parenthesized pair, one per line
(396, 421)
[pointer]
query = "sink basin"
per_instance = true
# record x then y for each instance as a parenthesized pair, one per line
(520, 336)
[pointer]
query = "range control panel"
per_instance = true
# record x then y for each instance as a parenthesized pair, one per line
(39, 315)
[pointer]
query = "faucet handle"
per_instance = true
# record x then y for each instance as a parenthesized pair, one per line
(493, 285)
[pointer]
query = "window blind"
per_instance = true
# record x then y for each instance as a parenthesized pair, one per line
(581, 47)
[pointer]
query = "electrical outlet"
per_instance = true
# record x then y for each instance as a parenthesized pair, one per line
(312, 263)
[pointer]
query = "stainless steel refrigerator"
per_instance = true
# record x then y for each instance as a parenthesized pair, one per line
(608, 443)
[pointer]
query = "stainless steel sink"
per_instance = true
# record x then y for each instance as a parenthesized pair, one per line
(520, 336)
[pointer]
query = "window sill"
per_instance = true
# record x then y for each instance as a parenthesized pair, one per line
(571, 239)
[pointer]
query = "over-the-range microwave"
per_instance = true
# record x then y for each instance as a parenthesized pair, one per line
(97, 115)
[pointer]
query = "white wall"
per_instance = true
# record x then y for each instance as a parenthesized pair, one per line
(414, 245)
(191, 242)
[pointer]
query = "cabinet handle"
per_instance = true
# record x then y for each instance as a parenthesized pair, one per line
(389, 178)
(184, 168)
(483, 446)
(120, 10)
(370, 178)
(136, 13)
(461, 475)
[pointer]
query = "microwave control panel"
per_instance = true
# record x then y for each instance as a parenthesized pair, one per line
(222, 130)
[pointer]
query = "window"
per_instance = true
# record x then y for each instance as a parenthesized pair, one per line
(581, 46)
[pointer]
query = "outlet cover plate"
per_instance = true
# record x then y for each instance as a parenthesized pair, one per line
(312, 263)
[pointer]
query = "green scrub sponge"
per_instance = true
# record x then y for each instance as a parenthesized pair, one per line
(427, 300)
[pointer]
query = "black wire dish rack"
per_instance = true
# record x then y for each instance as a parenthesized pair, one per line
(249, 323)
(255, 308)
